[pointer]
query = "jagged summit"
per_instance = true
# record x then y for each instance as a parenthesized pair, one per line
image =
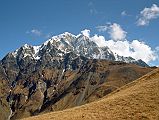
(26, 51)
(66, 43)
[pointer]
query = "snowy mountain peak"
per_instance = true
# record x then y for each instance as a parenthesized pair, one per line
(26, 46)
(66, 35)
(26, 50)
(66, 42)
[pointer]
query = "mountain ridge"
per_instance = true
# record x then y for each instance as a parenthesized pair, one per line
(79, 44)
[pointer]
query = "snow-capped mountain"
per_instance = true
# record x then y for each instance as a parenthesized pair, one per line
(81, 45)
(35, 79)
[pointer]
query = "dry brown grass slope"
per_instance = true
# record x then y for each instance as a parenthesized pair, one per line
(138, 100)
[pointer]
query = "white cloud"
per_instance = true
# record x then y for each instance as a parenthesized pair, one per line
(93, 11)
(116, 32)
(157, 48)
(123, 13)
(135, 49)
(36, 32)
(123, 47)
(142, 51)
(99, 40)
(102, 28)
(157, 52)
(86, 32)
(92, 8)
(147, 14)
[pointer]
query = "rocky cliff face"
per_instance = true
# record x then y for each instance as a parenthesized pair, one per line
(64, 72)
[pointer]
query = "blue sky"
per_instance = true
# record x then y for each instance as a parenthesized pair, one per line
(32, 21)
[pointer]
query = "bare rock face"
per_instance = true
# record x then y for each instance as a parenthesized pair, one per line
(64, 72)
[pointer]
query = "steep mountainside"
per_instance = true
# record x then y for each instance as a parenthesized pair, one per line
(41, 88)
(135, 101)
(64, 72)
